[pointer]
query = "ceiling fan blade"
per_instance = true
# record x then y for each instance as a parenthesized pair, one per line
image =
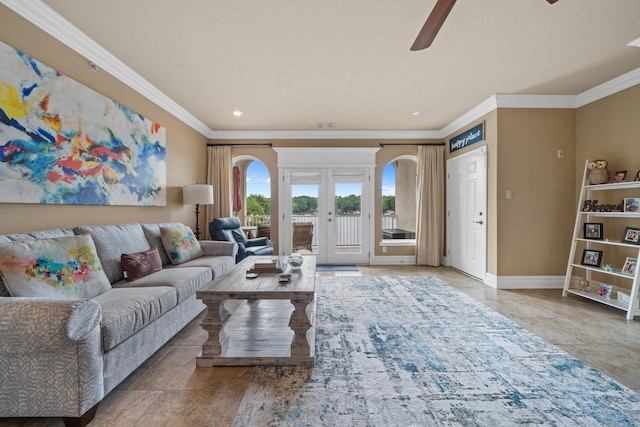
(432, 25)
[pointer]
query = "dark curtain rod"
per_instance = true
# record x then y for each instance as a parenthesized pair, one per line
(412, 145)
(271, 145)
(240, 145)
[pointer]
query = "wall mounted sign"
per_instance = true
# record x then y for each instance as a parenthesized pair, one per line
(467, 138)
(63, 143)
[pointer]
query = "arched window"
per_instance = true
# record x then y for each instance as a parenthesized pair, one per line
(252, 194)
(258, 191)
(399, 199)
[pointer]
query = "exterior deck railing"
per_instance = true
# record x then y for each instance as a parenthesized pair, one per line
(348, 227)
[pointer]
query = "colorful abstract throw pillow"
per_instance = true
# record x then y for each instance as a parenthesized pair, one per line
(62, 267)
(140, 264)
(180, 243)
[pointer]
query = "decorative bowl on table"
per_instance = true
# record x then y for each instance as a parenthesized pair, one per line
(295, 260)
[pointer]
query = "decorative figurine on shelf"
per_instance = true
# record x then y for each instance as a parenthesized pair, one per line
(584, 285)
(608, 267)
(598, 172)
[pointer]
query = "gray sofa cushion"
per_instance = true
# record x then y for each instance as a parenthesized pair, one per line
(112, 241)
(127, 310)
(186, 281)
(48, 234)
(217, 264)
(152, 233)
(17, 237)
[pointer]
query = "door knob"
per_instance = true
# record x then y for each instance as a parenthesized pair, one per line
(329, 220)
(478, 222)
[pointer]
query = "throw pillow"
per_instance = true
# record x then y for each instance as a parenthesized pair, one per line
(180, 244)
(140, 264)
(62, 267)
(112, 241)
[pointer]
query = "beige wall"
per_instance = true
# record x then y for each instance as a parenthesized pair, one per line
(609, 129)
(186, 148)
(536, 225)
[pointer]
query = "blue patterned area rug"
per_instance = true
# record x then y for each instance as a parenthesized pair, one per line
(414, 351)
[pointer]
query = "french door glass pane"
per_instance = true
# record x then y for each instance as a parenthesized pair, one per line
(304, 209)
(348, 218)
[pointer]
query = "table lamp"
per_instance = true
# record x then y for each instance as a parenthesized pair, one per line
(197, 194)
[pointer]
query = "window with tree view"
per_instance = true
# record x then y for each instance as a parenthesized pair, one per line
(399, 199)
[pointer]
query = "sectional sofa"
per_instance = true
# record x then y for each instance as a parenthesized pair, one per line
(63, 350)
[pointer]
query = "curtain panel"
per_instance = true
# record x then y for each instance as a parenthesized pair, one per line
(220, 175)
(430, 227)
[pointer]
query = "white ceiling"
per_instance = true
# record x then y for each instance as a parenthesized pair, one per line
(291, 64)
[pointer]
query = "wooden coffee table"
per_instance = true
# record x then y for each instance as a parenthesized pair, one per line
(259, 321)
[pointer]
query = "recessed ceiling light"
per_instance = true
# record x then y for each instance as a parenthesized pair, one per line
(635, 43)
(237, 113)
(417, 113)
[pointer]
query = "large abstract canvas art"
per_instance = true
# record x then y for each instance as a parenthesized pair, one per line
(63, 143)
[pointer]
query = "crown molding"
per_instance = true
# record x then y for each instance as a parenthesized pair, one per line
(535, 101)
(325, 134)
(47, 19)
(615, 85)
(474, 114)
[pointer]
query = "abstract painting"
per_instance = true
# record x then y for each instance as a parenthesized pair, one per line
(64, 143)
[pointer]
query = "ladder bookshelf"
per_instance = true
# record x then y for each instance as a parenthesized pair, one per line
(577, 270)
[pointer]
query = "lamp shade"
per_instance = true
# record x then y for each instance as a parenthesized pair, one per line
(197, 194)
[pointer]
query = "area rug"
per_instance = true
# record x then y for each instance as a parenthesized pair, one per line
(336, 267)
(414, 351)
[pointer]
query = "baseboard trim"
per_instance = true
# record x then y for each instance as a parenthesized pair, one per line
(393, 260)
(524, 282)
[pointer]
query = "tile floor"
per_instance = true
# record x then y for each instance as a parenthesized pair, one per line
(168, 389)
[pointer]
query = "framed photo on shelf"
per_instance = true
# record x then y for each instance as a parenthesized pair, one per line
(591, 258)
(631, 205)
(629, 266)
(631, 235)
(593, 230)
(620, 176)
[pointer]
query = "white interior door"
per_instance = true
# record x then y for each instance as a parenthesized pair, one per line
(467, 212)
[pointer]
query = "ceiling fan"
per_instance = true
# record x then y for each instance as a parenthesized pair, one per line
(434, 22)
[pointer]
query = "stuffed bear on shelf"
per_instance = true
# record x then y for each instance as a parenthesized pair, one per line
(598, 172)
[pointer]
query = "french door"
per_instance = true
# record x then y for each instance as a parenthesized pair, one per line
(336, 201)
(467, 212)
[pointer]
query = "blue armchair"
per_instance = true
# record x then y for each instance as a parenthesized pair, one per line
(228, 229)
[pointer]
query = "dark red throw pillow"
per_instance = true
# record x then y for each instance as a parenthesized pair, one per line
(140, 264)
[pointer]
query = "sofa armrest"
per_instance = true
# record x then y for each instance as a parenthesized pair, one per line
(218, 247)
(53, 345)
(31, 324)
(258, 241)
